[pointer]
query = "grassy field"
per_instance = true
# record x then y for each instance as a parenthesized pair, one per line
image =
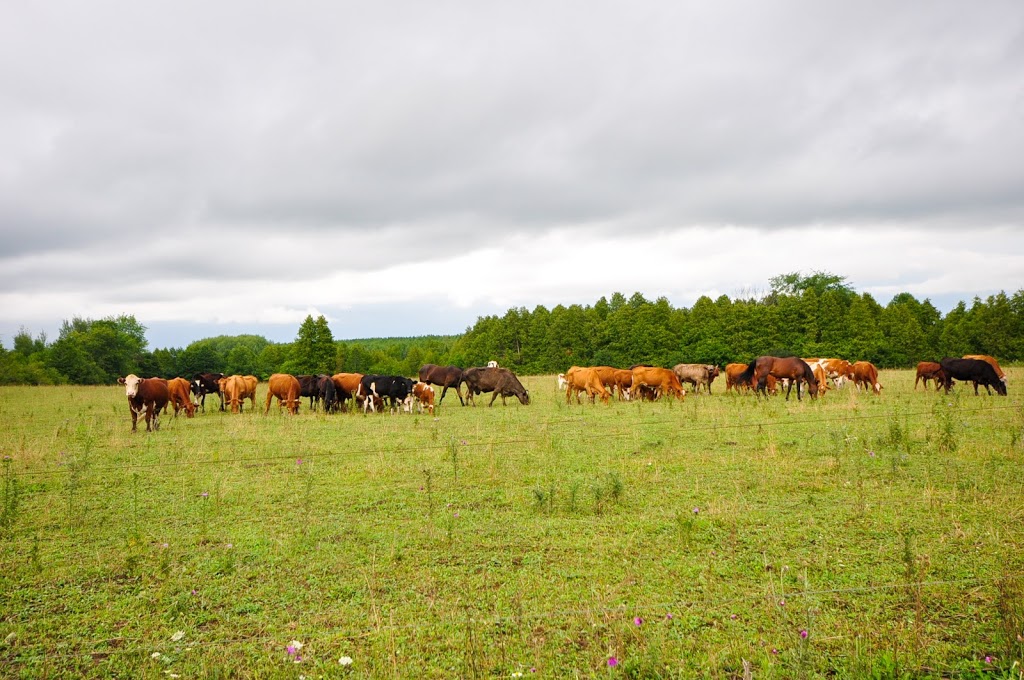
(853, 536)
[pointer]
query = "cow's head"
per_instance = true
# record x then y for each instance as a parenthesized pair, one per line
(131, 384)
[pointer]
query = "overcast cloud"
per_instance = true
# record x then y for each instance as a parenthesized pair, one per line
(402, 167)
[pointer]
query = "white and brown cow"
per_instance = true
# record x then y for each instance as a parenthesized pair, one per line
(145, 395)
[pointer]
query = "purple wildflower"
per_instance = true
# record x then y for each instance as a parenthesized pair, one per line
(612, 662)
(204, 494)
(803, 634)
(733, 617)
(669, 616)
(298, 461)
(696, 511)
(638, 621)
(988, 659)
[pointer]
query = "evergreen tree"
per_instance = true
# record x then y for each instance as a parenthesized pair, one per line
(313, 350)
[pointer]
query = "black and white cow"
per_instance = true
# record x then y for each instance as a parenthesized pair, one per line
(392, 388)
(206, 383)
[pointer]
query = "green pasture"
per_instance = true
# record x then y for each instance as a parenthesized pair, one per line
(723, 536)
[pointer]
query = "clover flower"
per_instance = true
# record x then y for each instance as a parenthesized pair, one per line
(612, 662)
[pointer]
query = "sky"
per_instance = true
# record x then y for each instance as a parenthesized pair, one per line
(405, 167)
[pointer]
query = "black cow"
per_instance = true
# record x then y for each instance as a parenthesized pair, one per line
(206, 383)
(309, 386)
(974, 370)
(443, 376)
(501, 381)
(394, 388)
(327, 393)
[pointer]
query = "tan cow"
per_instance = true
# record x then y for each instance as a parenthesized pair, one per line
(180, 396)
(664, 380)
(286, 388)
(624, 383)
(232, 387)
(584, 380)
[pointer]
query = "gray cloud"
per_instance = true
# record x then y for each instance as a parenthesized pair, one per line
(351, 138)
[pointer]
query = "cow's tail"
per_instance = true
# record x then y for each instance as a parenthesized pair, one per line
(747, 375)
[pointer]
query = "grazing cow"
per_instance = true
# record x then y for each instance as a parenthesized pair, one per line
(206, 383)
(664, 380)
(500, 381)
(696, 374)
(145, 395)
(973, 370)
(346, 386)
(385, 388)
(423, 396)
(444, 377)
(233, 391)
(562, 382)
(286, 388)
(990, 361)
(180, 396)
(327, 392)
(732, 373)
(928, 370)
(584, 380)
(838, 370)
(623, 383)
(866, 375)
(794, 369)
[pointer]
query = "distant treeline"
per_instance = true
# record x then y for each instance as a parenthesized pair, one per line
(815, 315)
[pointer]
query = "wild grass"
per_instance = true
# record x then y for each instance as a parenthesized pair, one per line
(853, 536)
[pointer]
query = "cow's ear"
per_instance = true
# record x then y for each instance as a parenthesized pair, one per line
(120, 381)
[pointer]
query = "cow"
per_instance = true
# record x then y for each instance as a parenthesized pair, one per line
(286, 388)
(492, 364)
(500, 381)
(206, 383)
(444, 377)
(664, 380)
(990, 361)
(346, 386)
(973, 370)
(696, 374)
(866, 375)
(327, 392)
(393, 389)
(309, 387)
(838, 370)
(562, 382)
(423, 396)
(623, 383)
(233, 391)
(145, 395)
(180, 396)
(789, 368)
(584, 380)
(928, 370)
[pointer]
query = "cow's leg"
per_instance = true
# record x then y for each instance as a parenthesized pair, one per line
(135, 419)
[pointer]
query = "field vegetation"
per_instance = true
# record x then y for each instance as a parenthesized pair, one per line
(722, 536)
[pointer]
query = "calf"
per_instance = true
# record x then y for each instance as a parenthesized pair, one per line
(928, 370)
(145, 395)
(423, 395)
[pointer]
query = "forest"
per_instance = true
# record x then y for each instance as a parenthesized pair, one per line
(818, 314)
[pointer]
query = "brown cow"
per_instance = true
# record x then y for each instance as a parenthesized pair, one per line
(585, 380)
(664, 380)
(423, 395)
(286, 388)
(929, 370)
(732, 373)
(866, 375)
(180, 396)
(623, 383)
(990, 361)
(500, 381)
(346, 385)
(249, 383)
(145, 395)
(232, 387)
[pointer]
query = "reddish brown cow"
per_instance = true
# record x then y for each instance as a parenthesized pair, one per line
(423, 394)
(347, 387)
(866, 375)
(928, 370)
(732, 373)
(249, 383)
(623, 383)
(664, 380)
(145, 395)
(287, 390)
(180, 396)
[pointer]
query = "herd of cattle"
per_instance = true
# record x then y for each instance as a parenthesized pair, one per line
(150, 396)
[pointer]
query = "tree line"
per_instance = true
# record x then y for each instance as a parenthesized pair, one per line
(813, 315)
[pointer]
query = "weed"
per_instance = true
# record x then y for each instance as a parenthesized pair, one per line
(9, 511)
(948, 425)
